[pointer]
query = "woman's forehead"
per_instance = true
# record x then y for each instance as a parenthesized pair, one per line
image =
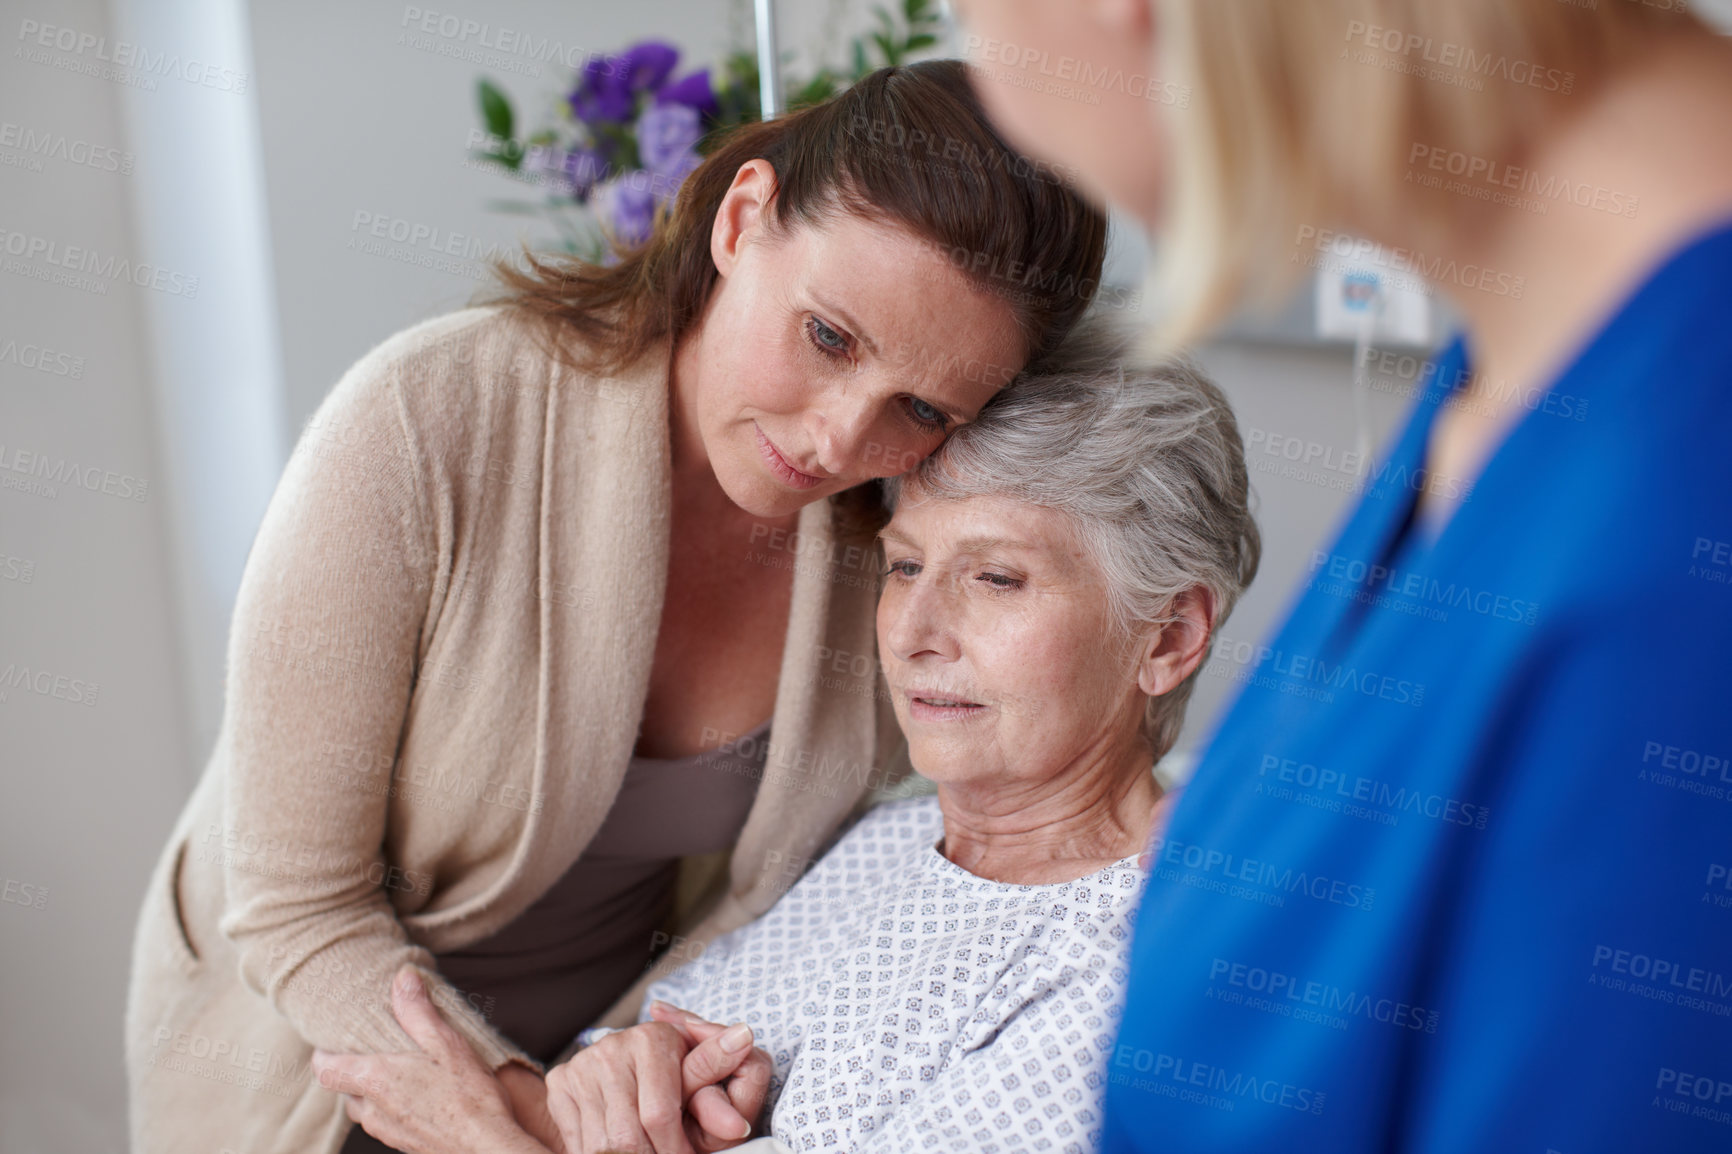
(977, 523)
(905, 290)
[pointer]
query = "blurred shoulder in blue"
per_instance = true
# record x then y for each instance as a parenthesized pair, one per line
(1454, 872)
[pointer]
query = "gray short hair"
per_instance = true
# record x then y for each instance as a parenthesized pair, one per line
(1147, 462)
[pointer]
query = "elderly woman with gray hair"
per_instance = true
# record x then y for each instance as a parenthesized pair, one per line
(951, 973)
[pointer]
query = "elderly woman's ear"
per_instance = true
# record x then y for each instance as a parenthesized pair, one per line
(1175, 648)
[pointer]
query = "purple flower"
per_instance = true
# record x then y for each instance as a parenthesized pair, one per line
(670, 178)
(666, 135)
(694, 91)
(544, 162)
(626, 207)
(644, 66)
(583, 168)
(601, 95)
(574, 172)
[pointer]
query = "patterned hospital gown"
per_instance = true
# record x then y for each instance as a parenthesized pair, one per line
(909, 1005)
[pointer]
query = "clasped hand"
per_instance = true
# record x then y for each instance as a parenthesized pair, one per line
(675, 1085)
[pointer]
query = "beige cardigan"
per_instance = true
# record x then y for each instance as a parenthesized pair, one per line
(436, 670)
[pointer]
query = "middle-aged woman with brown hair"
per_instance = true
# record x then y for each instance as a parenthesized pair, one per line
(531, 563)
(1452, 874)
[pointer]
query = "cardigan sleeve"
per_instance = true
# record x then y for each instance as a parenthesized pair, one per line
(321, 662)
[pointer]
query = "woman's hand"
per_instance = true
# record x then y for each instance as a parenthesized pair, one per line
(653, 1089)
(743, 1091)
(441, 1100)
(528, 1093)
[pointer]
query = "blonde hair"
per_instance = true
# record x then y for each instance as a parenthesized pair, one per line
(1299, 108)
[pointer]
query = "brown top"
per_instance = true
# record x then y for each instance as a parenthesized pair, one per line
(555, 968)
(435, 680)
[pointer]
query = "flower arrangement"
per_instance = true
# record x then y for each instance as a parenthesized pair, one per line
(629, 131)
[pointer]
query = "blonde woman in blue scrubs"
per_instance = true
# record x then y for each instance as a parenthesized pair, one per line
(1486, 911)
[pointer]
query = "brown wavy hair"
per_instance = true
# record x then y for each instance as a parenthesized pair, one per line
(909, 146)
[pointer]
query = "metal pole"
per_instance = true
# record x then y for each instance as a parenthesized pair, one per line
(769, 69)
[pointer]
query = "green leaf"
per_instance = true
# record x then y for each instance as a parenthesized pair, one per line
(495, 109)
(815, 91)
(923, 40)
(511, 157)
(924, 20)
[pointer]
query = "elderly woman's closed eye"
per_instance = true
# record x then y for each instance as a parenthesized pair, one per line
(950, 974)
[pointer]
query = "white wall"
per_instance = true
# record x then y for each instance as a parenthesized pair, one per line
(199, 205)
(89, 789)
(1282, 394)
(364, 112)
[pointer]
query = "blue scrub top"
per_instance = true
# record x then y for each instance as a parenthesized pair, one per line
(1455, 873)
